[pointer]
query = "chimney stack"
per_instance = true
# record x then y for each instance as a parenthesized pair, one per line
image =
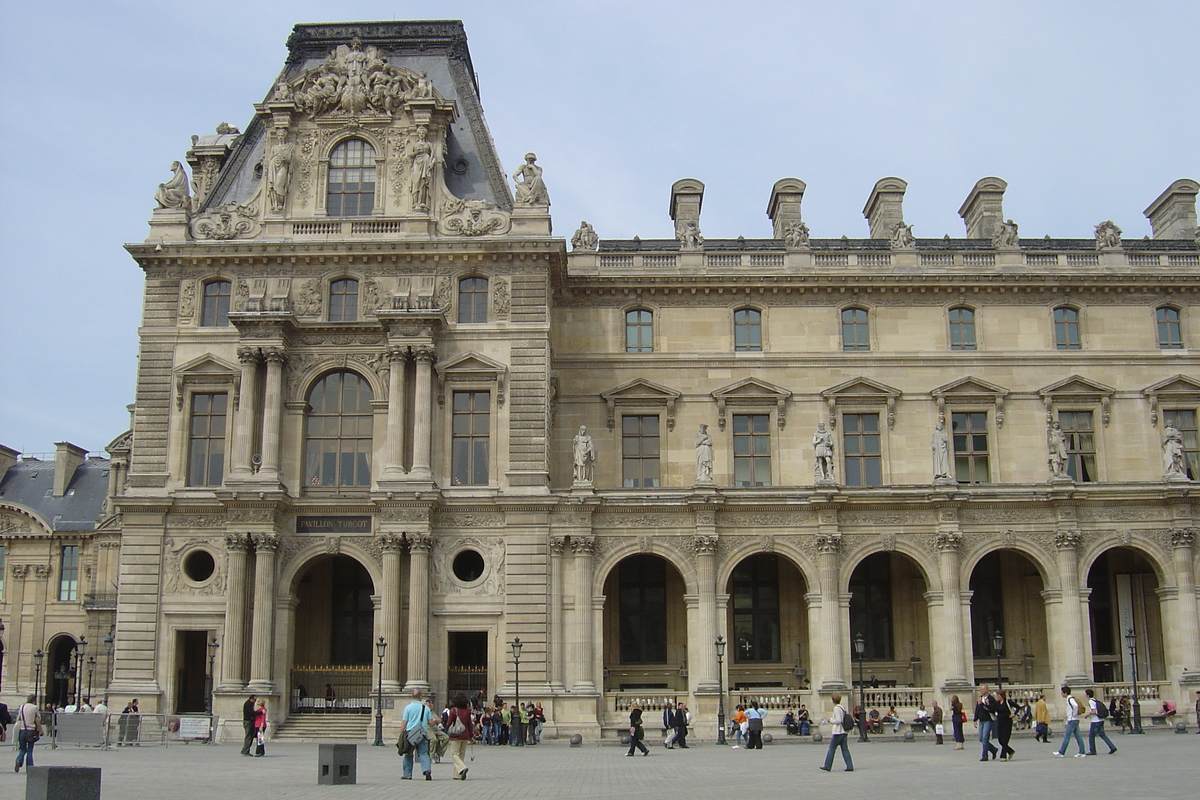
(8, 458)
(885, 207)
(687, 196)
(784, 207)
(983, 209)
(1173, 214)
(67, 458)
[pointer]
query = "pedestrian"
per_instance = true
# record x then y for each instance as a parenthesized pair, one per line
(1072, 729)
(247, 724)
(5, 720)
(1041, 720)
(461, 731)
(669, 731)
(740, 727)
(130, 724)
(935, 719)
(755, 716)
(1114, 711)
(636, 732)
(985, 716)
(1096, 712)
(416, 719)
(840, 722)
(539, 722)
(29, 730)
(260, 727)
(957, 718)
(1126, 713)
(1004, 725)
(1197, 712)
(505, 722)
(682, 718)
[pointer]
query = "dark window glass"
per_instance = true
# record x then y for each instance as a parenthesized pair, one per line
(642, 585)
(987, 605)
(352, 613)
(1184, 420)
(1066, 329)
(338, 432)
(962, 328)
(854, 329)
(1081, 444)
(1170, 335)
(472, 300)
(215, 309)
(206, 439)
(639, 331)
(471, 432)
(871, 606)
(68, 574)
(860, 445)
(970, 446)
(639, 451)
(351, 180)
(756, 609)
(343, 300)
(752, 449)
(747, 330)
(1100, 609)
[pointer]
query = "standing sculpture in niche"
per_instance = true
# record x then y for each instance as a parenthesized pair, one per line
(823, 451)
(420, 174)
(585, 238)
(174, 193)
(281, 172)
(704, 456)
(584, 455)
(1174, 463)
(1056, 443)
(941, 454)
(531, 190)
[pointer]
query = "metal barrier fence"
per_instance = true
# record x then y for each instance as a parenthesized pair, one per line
(331, 689)
(84, 729)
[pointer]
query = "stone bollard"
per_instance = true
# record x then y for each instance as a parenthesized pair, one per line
(576, 740)
(1181, 727)
(817, 737)
(337, 764)
(625, 738)
(768, 738)
(909, 736)
(63, 783)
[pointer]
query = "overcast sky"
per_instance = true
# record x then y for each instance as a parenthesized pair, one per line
(1088, 109)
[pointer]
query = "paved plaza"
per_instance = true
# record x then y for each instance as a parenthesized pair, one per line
(1158, 765)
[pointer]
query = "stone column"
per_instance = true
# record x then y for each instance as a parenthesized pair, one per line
(835, 645)
(243, 421)
(393, 460)
(1188, 628)
(557, 656)
(419, 545)
(584, 548)
(1070, 616)
(16, 660)
(703, 658)
(425, 355)
(233, 648)
(272, 413)
(262, 636)
(389, 628)
(954, 666)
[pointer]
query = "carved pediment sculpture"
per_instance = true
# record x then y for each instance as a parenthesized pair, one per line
(354, 80)
(585, 238)
(228, 221)
(902, 237)
(468, 217)
(1108, 236)
(1005, 235)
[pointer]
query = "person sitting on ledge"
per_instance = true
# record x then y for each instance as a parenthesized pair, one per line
(1166, 715)
(894, 718)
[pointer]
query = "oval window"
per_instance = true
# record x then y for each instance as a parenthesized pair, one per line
(468, 566)
(199, 566)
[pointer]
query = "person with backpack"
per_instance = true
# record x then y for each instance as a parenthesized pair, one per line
(461, 730)
(1097, 712)
(841, 723)
(1072, 727)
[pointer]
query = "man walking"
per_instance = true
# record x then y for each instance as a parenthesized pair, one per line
(248, 725)
(1041, 720)
(416, 722)
(1096, 713)
(837, 738)
(682, 718)
(985, 716)
(668, 722)
(1072, 729)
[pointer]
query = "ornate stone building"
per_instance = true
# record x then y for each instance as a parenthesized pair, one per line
(377, 398)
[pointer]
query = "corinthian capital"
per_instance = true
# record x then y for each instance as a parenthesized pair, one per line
(390, 542)
(237, 542)
(583, 545)
(248, 355)
(829, 542)
(265, 542)
(1183, 537)
(396, 353)
(703, 543)
(419, 542)
(425, 352)
(1068, 540)
(275, 355)
(558, 544)
(949, 540)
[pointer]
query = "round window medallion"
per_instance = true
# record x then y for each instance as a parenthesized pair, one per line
(199, 566)
(468, 566)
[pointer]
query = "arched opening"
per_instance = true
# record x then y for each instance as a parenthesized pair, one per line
(645, 626)
(888, 609)
(60, 676)
(1006, 596)
(1124, 595)
(334, 626)
(767, 620)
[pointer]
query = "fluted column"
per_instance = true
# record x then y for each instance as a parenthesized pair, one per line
(393, 459)
(703, 659)
(262, 636)
(1188, 628)
(584, 548)
(419, 545)
(1070, 616)
(272, 413)
(389, 628)
(233, 648)
(16, 661)
(425, 355)
(954, 666)
(243, 421)
(557, 656)
(834, 644)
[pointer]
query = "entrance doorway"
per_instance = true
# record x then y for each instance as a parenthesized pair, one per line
(190, 684)
(467, 662)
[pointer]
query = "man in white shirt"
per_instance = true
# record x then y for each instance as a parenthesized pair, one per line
(837, 738)
(1097, 727)
(100, 708)
(26, 728)
(1072, 725)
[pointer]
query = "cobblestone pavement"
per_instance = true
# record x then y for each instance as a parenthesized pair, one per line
(1158, 765)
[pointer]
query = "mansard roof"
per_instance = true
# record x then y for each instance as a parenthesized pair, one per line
(29, 484)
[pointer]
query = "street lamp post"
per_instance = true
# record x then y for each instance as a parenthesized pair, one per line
(380, 647)
(515, 718)
(998, 646)
(211, 676)
(108, 648)
(1131, 641)
(860, 647)
(720, 643)
(91, 667)
(80, 651)
(38, 657)
(1, 649)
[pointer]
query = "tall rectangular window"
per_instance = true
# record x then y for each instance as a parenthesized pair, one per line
(68, 573)
(1184, 421)
(214, 311)
(206, 440)
(1170, 335)
(1081, 444)
(639, 451)
(751, 449)
(472, 300)
(471, 431)
(343, 300)
(1066, 329)
(855, 333)
(970, 446)
(756, 609)
(860, 444)
(747, 330)
(639, 331)
(962, 328)
(642, 588)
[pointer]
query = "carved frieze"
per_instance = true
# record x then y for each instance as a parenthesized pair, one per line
(11, 525)
(765, 519)
(500, 298)
(459, 217)
(454, 519)
(244, 515)
(187, 301)
(196, 521)
(309, 302)
(985, 515)
(404, 515)
(228, 221)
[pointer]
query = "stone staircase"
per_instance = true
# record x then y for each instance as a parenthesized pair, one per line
(349, 728)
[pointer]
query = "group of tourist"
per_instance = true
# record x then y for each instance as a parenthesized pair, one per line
(30, 724)
(501, 724)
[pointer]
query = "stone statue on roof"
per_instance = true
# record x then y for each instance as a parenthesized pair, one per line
(1108, 235)
(585, 238)
(174, 193)
(531, 190)
(795, 234)
(688, 234)
(1005, 235)
(902, 237)
(281, 172)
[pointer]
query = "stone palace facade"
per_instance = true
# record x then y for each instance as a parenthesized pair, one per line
(376, 397)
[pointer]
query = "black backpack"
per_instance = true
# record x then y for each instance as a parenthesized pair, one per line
(1101, 710)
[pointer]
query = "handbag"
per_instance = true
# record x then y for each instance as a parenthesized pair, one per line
(457, 728)
(939, 729)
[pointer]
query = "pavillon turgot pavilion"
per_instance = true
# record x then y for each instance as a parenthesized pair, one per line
(376, 397)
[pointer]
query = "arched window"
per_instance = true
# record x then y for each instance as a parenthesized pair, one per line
(1170, 335)
(351, 181)
(472, 300)
(747, 330)
(337, 438)
(962, 328)
(215, 309)
(855, 334)
(1066, 329)
(639, 331)
(343, 300)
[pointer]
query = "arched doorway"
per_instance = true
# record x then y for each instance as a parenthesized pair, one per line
(767, 620)
(645, 627)
(1006, 596)
(888, 609)
(333, 653)
(60, 671)
(1124, 595)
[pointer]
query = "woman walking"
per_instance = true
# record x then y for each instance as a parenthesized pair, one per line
(956, 721)
(837, 721)
(1004, 725)
(636, 732)
(461, 730)
(260, 727)
(739, 727)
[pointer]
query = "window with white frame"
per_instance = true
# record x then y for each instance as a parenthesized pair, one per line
(1081, 444)
(970, 438)
(640, 451)
(751, 449)
(861, 450)
(68, 572)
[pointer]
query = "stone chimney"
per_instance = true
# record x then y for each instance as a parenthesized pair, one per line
(784, 207)
(8, 458)
(687, 196)
(984, 208)
(1173, 214)
(67, 458)
(885, 207)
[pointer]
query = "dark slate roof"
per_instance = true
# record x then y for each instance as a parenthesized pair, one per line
(30, 483)
(637, 245)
